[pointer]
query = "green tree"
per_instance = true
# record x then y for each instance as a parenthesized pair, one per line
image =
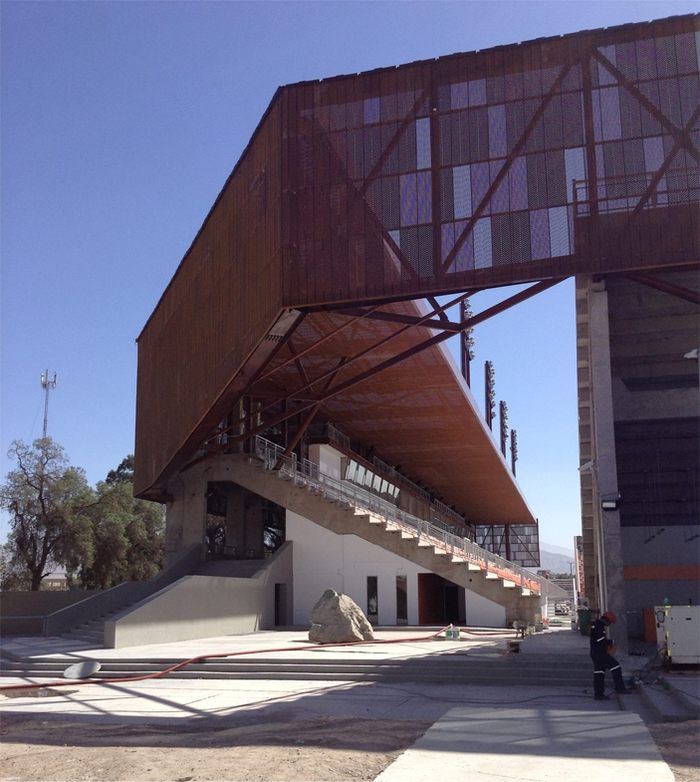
(14, 576)
(124, 472)
(128, 533)
(49, 503)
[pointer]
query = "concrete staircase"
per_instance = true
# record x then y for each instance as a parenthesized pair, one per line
(344, 509)
(91, 633)
(450, 668)
(463, 563)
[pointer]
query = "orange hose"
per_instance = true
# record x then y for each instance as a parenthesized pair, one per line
(199, 658)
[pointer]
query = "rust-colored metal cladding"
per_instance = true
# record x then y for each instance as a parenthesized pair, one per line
(516, 164)
(357, 194)
(210, 324)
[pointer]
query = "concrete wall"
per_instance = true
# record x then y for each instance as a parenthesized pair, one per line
(204, 606)
(22, 613)
(482, 612)
(645, 545)
(40, 603)
(194, 607)
(645, 445)
(326, 560)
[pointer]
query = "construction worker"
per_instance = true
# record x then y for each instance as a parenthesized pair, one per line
(602, 659)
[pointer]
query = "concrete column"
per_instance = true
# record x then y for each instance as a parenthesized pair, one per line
(245, 522)
(524, 609)
(235, 519)
(254, 526)
(185, 517)
(607, 534)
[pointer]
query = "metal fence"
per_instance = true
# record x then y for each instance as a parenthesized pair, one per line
(633, 192)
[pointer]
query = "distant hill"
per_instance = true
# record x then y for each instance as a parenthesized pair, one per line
(555, 559)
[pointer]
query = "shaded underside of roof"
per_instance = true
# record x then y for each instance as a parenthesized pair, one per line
(418, 414)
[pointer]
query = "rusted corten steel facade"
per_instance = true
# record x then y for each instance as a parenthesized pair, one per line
(458, 172)
(524, 163)
(221, 301)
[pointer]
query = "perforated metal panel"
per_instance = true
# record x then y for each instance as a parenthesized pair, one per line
(474, 169)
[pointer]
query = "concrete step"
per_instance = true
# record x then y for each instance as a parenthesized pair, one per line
(89, 637)
(89, 632)
(447, 669)
(92, 632)
(666, 703)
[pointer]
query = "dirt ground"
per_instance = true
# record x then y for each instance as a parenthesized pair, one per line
(679, 744)
(323, 749)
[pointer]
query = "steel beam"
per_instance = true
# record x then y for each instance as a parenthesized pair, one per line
(679, 134)
(667, 287)
(663, 168)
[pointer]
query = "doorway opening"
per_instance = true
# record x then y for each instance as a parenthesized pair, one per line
(439, 601)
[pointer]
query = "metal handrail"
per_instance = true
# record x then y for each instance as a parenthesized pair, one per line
(626, 199)
(100, 602)
(307, 473)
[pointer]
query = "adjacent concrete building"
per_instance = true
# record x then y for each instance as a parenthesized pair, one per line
(640, 441)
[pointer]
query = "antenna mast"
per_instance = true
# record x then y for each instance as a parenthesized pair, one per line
(47, 385)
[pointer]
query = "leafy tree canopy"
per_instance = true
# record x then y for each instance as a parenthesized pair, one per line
(102, 536)
(49, 504)
(124, 472)
(128, 533)
(14, 576)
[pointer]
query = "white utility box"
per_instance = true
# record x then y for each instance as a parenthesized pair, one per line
(678, 629)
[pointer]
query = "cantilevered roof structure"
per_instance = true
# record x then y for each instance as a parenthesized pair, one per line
(311, 287)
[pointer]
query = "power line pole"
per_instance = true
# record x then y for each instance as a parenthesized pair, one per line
(47, 385)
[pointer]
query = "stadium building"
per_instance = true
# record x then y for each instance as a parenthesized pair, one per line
(298, 411)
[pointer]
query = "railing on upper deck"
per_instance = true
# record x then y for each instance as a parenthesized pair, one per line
(625, 193)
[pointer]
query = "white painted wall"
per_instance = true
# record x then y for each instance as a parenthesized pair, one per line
(327, 458)
(324, 560)
(482, 612)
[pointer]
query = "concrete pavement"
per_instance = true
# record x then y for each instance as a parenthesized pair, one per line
(495, 733)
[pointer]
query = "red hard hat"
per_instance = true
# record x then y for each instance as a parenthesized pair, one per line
(609, 616)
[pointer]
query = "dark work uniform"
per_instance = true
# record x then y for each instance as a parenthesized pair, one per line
(602, 661)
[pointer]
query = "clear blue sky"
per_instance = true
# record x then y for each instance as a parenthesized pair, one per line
(120, 123)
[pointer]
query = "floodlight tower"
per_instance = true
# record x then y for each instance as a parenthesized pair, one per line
(47, 385)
